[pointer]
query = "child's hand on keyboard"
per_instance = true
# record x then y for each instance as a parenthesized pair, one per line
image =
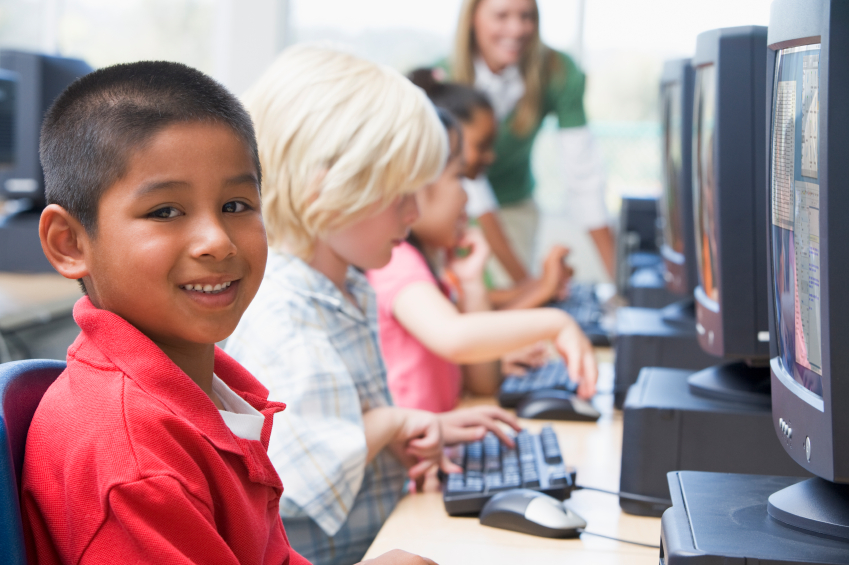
(419, 443)
(517, 363)
(556, 273)
(578, 353)
(471, 424)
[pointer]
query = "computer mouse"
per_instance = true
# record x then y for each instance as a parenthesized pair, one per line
(556, 405)
(531, 512)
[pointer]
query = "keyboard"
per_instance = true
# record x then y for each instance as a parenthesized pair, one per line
(490, 467)
(585, 307)
(552, 375)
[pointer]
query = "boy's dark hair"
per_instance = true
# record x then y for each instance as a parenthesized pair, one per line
(94, 126)
(459, 99)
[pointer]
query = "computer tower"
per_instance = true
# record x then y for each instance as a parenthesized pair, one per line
(721, 519)
(637, 241)
(647, 288)
(667, 428)
(649, 337)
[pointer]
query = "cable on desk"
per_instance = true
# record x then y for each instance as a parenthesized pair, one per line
(583, 531)
(628, 495)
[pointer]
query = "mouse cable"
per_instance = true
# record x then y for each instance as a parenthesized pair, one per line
(583, 531)
(628, 495)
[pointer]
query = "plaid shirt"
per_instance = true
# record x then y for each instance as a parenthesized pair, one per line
(319, 354)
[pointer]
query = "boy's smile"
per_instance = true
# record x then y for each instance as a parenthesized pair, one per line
(180, 247)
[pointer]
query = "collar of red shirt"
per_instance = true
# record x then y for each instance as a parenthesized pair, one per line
(147, 365)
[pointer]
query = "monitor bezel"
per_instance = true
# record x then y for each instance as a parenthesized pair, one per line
(824, 420)
(681, 273)
(739, 74)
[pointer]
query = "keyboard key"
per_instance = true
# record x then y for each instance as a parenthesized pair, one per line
(474, 457)
(474, 484)
(456, 485)
(530, 481)
(550, 446)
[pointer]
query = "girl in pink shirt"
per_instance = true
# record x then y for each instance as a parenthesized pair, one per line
(434, 313)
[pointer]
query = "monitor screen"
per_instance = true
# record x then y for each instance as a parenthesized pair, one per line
(794, 215)
(704, 180)
(673, 223)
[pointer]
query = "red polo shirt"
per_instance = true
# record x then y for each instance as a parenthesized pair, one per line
(128, 461)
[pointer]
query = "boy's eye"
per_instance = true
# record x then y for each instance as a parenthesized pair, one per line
(234, 207)
(165, 213)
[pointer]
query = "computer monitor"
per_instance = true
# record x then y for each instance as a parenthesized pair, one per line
(808, 230)
(8, 100)
(678, 247)
(40, 80)
(728, 200)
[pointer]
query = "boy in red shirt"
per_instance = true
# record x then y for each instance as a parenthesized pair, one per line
(151, 446)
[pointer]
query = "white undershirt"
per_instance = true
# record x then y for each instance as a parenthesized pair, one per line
(504, 89)
(481, 198)
(244, 420)
(582, 162)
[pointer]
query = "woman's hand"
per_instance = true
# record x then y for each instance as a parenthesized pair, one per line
(472, 424)
(578, 352)
(518, 363)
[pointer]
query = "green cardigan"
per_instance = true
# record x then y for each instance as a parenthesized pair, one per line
(510, 174)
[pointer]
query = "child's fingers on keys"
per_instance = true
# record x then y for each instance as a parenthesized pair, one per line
(420, 468)
(502, 415)
(572, 350)
(465, 434)
(448, 466)
(587, 386)
(493, 426)
(430, 440)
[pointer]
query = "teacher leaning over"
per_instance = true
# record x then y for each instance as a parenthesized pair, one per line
(498, 50)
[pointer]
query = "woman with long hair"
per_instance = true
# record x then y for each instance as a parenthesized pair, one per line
(498, 50)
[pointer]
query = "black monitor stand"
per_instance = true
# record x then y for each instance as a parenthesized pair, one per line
(816, 505)
(647, 288)
(681, 313)
(739, 382)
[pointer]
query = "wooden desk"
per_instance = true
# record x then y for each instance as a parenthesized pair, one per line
(420, 525)
(35, 315)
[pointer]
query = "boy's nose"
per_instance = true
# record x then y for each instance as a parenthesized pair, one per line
(212, 240)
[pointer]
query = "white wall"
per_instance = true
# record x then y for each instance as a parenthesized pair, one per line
(248, 36)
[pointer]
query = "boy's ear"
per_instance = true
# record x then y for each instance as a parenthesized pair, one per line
(63, 239)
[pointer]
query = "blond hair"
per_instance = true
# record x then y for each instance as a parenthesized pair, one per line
(336, 135)
(536, 65)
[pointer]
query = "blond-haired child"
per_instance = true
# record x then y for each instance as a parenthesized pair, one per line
(343, 144)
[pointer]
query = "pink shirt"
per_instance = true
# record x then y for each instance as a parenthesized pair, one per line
(418, 378)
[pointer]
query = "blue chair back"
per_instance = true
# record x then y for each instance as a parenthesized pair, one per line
(22, 384)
